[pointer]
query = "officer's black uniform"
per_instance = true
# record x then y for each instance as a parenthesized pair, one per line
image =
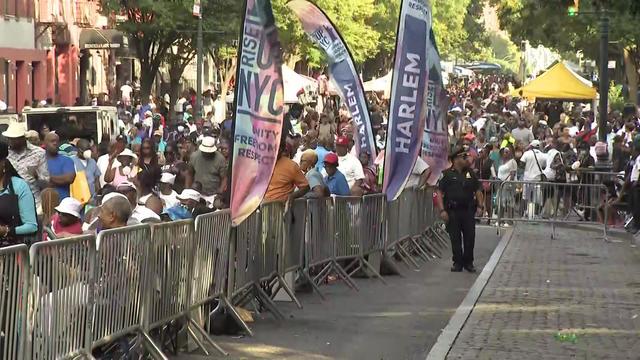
(460, 204)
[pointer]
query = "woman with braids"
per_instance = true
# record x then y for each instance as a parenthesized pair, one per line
(18, 219)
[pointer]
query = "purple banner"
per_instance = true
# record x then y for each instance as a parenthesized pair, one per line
(435, 142)
(259, 110)
(343, 73)
(408, 108)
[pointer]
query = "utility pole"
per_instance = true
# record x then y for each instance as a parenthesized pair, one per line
(604, 74)
(197, 11)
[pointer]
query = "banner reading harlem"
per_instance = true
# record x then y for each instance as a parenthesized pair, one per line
(408, 108)
(343, 72)
(259, 110)
(435, 140)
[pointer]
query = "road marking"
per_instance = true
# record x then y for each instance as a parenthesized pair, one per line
(449, 334)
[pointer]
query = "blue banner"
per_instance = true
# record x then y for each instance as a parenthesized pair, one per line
(343, 73)
(408, 107)
(435, 141)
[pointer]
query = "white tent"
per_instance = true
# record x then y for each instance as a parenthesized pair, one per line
(294, 82)
(382, 84)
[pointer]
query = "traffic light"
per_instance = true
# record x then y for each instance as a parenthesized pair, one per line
(573, 9)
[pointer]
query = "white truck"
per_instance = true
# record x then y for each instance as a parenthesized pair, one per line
(89, 122)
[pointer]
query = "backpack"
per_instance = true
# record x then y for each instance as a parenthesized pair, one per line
(557, 164)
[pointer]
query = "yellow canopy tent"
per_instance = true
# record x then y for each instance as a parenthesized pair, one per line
(558, 83)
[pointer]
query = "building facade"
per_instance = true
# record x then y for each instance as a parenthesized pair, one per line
(23, 67)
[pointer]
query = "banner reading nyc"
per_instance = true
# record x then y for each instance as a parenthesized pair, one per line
(259, 110)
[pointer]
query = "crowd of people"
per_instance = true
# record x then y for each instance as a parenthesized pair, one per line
(509, 138)
(167, 165)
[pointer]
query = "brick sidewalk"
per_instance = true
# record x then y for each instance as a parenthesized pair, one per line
(577, 283)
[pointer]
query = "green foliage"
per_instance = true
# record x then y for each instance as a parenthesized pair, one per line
(352, 18)
(616, 100)
(541, 22)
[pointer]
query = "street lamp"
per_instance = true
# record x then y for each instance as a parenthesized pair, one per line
(197, 11)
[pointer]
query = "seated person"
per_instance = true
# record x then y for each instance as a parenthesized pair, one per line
(67, 222)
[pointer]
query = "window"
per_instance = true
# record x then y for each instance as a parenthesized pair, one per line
(6, 78)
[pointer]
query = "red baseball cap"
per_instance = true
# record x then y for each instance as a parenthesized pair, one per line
(342, 141)
(331, 158)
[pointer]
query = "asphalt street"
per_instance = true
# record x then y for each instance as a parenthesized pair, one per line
(400, 320)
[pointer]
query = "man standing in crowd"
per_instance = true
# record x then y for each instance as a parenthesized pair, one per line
(29, 161)
(308, 162)
(210, 168)
(349, 165)
(84, 162)
(523, 134)
(459, 188)
(335, 179)
(287, 181)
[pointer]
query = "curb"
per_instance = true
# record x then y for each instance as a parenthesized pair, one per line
(450, 333)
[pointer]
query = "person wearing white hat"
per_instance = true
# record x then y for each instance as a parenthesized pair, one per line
(210, 168)
(67, 220)
(29, 161)
(126, 171)
(168, 196)
(189, 206)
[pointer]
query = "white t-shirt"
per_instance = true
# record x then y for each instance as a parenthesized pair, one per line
(142, 213)
(531, 170)
(170, 200)
(418, 169)
(548, 171)
(635, 171)
(506, 168)
(351, 168)
(179, 105)
(102, 163)
(126, 91)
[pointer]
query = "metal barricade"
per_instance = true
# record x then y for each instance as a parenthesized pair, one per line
(320, 245)
(61, 298)
(211, 262)
(546, 202)
(269, 248)
(490, 190)
(15, 276)
(247, 260)
(242, 260)
(122, 286)
(348, 224)
(293, 247)
(374, 207)
(211, 258)
(171, 266)
(352, 242)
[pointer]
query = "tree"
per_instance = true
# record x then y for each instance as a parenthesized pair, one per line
(547, 23)
(351, 18)
(163, 31)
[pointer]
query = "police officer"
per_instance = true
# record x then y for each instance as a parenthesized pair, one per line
(459, 189)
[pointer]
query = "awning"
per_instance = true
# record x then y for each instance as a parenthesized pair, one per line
(99, 39)
(558, 83)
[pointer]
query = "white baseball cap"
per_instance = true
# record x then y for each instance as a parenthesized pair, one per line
(208, 145)
(69, 206)
(126, 185)
(168, 178)
(189, 194)
(535, 143)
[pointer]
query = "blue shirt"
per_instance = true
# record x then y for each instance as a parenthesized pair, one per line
(321, 152)
(338, 184)
(91, 171)
(26, 205)
(61, 165)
